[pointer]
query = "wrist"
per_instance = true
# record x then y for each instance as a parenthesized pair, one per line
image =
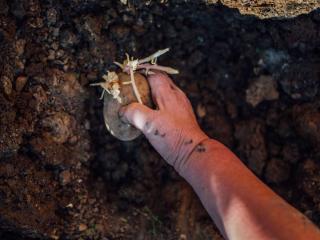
(202, 152)
(191, 143)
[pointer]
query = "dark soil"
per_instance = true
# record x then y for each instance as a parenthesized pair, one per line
(63, 176)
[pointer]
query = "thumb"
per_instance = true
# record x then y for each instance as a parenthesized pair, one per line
(136, 114)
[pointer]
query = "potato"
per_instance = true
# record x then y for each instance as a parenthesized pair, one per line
(116, 127)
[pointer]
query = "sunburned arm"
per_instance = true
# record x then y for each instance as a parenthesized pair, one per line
(239, 203)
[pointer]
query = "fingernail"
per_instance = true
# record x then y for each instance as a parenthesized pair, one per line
(121, 111)
(121, 115)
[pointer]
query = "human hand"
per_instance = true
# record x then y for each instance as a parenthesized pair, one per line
(172, 129)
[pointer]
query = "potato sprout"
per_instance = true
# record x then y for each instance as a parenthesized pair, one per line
(146, 65)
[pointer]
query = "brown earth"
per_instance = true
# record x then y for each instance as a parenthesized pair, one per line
(63, 176)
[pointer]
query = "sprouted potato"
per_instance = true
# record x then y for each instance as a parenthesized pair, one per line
(130, 85)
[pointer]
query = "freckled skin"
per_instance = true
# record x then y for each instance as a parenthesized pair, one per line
(241, 206)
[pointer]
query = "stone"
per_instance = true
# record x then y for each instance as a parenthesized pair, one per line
(82, 227)
(68, 39)
(20, 46)
(71, 86)
(52, 16)
(58, 127)
(51, 55)
(65, 177)
(201, 110)
(7, 85)
(21, 82)
(263, 88)
(270, 9)
(272, 60)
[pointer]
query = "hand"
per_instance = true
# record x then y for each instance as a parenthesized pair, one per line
(172, 129)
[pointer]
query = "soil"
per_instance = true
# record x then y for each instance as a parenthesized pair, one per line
(63, 176)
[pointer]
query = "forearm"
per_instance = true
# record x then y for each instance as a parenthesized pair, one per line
(239, 203)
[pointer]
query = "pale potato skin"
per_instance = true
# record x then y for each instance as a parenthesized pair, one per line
(115, 126)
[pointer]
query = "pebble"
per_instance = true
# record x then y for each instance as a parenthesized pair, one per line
(65, 177)
(82, 227)
(21, 82)
(58, 127)
(20, 46)
(68, 39)
(52, 16)
(59, 53)
(263, 88)
(201, 110)
(52, 55)
(7, 85)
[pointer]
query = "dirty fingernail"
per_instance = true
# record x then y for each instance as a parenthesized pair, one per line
(121, 111)
(121, 115)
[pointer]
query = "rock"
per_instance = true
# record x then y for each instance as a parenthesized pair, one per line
(7, 85)
(65, 177)
(71, 87)
(20, 45)
(68, 39)
(277, 171)
(264, 88)
(52, 55)
(252, 147)
(52, 16)
(20, 83)
(272, 60)
(57, 127)
(201, 110)
(59, 54)
(82, 227)
(40, 97)
(300, 81)
(270, 9)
